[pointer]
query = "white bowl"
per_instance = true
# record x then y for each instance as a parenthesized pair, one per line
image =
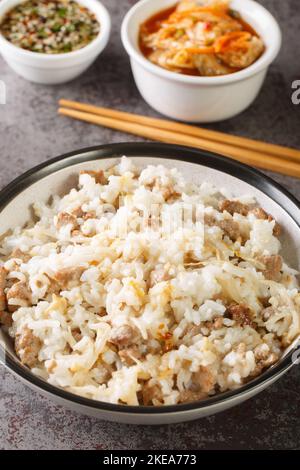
(56, 68)
(199, 99)
(59, 175)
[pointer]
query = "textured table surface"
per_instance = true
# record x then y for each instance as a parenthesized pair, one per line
(30, 133)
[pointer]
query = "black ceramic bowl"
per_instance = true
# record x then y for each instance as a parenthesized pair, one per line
(57, 176)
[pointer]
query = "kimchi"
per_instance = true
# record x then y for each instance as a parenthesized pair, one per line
(204, 38)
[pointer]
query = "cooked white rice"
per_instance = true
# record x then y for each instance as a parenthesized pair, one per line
(114, 296)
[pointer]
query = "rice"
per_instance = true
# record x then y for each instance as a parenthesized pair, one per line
(140, 288)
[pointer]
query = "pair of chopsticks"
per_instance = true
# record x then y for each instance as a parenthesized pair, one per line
(263, 155)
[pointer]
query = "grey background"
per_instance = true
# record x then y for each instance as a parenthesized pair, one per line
(30, 133)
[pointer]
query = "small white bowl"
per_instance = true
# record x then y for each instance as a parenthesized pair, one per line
(199, 99)
(57, 68)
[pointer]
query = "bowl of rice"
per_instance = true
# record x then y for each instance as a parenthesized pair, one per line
(55, 41)
(148, 283)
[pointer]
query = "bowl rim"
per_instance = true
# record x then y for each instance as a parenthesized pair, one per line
(259, 65)
(164, 151)
(103, 18)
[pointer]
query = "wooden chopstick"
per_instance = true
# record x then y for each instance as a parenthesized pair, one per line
(287, 153)
(250, 157)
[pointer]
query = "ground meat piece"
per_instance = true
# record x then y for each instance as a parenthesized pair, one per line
(76, 333)
(102, 312)
(261, 352)
(68, 277)
(21, 291)
(269, 361)
(259, 213)
(264, 358)
(230, 228)
(203, 380)
(98, 175)
(188, 396)
(241, 314)
(273, 266)
(3, 274)
(123, 336)
(53, 286)
(76, 233)
(65, 218)
(233, 207)
(218, 323)
(129, 355)
(109, 369)
(265, 301)
(12, 308)
(27, 347)
(17, 253)
(104, 370)
(169, 192)
(209, 220)
(5, 318)
(277, 230)
(150, 393)
(78, 212)
(215, 324)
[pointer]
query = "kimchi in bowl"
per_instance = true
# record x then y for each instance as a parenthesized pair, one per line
(198, 98)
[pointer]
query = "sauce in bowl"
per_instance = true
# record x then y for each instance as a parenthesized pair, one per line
(50, 27)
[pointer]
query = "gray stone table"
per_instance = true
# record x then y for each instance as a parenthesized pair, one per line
(30, 133)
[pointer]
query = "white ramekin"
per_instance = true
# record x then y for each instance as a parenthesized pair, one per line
(56, 68)
(200, 99)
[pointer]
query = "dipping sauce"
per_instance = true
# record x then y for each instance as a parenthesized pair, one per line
(50, 27)
(200, 38)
